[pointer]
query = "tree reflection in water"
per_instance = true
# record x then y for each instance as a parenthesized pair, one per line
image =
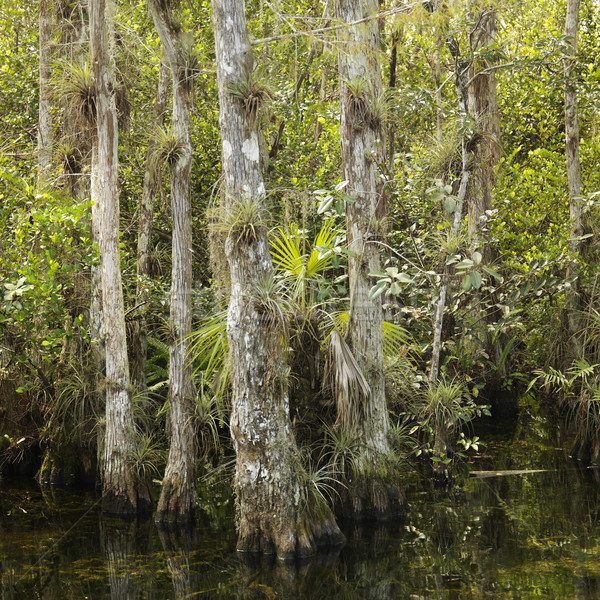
(514, 535)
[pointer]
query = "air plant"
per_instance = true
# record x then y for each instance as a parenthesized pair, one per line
(242, 219)
(75, 85)
(167, 147)
(252, 91)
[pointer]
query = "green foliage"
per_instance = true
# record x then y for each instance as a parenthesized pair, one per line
(209, 349)
(45, 249)
(341, 452)
(18, 84)
(74, 410)
(441, 411)
(577, 387)
(74, 86)
(148, 456)
(319, 485)
(211, 418)
(244, 220)
(303, 265)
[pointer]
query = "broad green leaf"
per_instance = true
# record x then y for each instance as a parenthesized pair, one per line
(466, 283)
(395, 288)
(493, 273)
(476, 279)
(323, 293)
(464, 264)
(450, 204)
(325, 204)
(377, 290)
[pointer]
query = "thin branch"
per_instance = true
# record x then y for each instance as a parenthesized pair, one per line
(490, 70)
(385, 13)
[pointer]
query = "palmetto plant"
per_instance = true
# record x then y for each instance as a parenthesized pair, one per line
(208, 350)
(303, 264)
(293, 300)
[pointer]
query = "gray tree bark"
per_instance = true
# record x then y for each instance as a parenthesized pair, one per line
(362, 139)
(483, 107)
(121, 493)
(178, 491)
(139, 335)
(45, 126)
(573, 176)
(462, 77)
(274, 504)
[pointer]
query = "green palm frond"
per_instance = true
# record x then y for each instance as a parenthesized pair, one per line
(581, 369)
(157, 365)
(396, 340)
(300, 262)
(320, 258)
(287, 250)
(209, 349)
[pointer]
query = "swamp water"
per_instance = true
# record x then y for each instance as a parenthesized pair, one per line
(527, 525)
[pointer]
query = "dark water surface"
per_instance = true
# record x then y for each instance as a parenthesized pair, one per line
(506, 535)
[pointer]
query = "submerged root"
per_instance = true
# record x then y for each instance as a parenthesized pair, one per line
(127, 504)
(375, 499)
(175, 507)
(297, 541)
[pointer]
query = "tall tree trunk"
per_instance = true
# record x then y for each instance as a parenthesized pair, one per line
(139, 336)
(483, 107)
(178, 492)
(437, 77)
(121, 493)
(362, 139)
(441, 472)
(276, 514)
(45, 127)
(392, 85)
(461, 70)
(573, 176)
(96, 309)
